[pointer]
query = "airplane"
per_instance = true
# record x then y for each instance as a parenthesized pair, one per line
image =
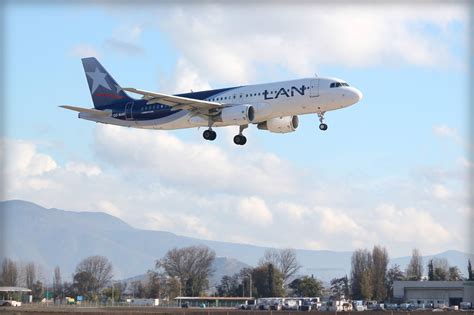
(271, 106)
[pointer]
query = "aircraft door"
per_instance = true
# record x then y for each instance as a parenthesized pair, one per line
(314, 88)
(128, 111)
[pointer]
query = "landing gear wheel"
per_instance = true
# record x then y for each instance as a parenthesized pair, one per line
(213, 136)
(209, 135)
(323, 126)
(240, 140)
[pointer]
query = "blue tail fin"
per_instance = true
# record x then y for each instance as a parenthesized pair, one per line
(104, 89)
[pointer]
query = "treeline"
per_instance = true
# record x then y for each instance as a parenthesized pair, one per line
(372, 279)
(186, 272)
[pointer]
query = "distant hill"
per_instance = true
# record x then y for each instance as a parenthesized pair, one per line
(53, 237)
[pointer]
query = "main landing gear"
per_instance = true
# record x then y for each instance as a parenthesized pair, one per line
(322, 125)
(240, 139)
(209, 134)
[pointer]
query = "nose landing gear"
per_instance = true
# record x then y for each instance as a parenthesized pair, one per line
(322, 125)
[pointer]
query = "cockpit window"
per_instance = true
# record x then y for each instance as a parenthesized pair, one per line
(338, 84)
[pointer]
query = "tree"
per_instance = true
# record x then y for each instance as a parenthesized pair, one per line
(84, 284)
(469, 271)
(379, 272)
(9, 275)
(138, 289)
(440, 269)
(285, 260)
(267, 281)
(92, 275)
(154, 286)
(340, 288)
(57, 283)
(191, 265)
(393, 274)
(454, 274)
(366, 285)
(361, 277)
(431, 271)
(414, 269)
(230, 286)
(307, 286)
(114, 291)
(37, 291)
(30, 275)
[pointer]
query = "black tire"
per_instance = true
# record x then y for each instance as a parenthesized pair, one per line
(213, 135)
(207, 134)
(323, 127)
(244, 140)
(238, 140)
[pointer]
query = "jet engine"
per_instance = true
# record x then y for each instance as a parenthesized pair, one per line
(280, 124)
(237, 115)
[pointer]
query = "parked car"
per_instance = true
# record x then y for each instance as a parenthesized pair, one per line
(465, 305)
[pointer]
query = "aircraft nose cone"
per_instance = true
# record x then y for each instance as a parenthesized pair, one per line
(357, 95)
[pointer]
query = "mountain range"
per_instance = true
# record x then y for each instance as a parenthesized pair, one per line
(53, 237)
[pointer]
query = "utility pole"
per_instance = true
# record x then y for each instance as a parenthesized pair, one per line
(113, 294)
(250, 276)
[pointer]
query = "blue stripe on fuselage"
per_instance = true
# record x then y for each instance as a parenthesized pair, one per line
(142, 112)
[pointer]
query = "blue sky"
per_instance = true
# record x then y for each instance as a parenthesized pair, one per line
(398, 155)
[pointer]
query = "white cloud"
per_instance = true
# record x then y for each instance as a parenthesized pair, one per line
(83, 168)
(185, 78)
(334, 222)
(300, 38)
(196, 226)
(441, 192)
(411, 225)
(84, 50)
(255, 211)
(23, 164)
(109, 207)
(192, 188)
(444, 131)
(202, 166)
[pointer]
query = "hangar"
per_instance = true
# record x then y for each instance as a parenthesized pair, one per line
(438, 293)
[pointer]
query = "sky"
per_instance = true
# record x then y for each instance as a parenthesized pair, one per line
(391, 170)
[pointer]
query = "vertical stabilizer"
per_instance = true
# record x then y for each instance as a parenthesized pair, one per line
(105, 91)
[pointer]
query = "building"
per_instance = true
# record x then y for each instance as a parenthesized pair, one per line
(437, 293)
(213, 301)
(13, 296)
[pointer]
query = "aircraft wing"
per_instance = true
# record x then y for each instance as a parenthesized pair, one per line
(87, 110)
(176, 102)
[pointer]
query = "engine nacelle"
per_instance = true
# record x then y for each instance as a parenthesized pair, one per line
(237, 115)
(280, 124)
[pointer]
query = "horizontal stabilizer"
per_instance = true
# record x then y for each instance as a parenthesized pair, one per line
(87, 110)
